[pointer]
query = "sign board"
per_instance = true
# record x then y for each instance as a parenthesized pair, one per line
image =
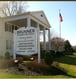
(26, 41)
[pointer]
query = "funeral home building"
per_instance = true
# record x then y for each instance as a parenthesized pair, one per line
(8, 24)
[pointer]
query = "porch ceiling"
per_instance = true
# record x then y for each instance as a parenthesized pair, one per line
(20, 22)
(23, 23)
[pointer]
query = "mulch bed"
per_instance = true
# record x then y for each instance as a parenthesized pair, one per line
(14, 70)
(33, 69)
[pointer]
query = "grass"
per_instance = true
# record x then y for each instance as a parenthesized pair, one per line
(68, 59)
(7, 75)
(71, 69)
(67, 62)
(26, 62)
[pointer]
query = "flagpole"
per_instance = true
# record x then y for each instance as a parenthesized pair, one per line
(60, 25)
(60, 29)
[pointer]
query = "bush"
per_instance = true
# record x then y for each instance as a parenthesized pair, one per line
(68, 48)
(68, 53)
(52, 52)
(48, 58)
(7, 55)
(43, 53)
(59, 53)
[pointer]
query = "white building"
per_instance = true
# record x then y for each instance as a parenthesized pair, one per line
(11, 23)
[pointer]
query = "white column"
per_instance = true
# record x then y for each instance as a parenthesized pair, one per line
(38, 42)
(49, 39)
(14, 48)
(28, 21)
(44, 40)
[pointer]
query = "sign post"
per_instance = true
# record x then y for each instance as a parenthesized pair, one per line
(38, 42)
(14, 53)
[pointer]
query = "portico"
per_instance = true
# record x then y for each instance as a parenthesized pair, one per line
(29, 19)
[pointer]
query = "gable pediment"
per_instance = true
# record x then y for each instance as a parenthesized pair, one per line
(41, 16)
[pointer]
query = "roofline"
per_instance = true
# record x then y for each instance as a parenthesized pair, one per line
(16, 15)
(27, 13)
(46, 18)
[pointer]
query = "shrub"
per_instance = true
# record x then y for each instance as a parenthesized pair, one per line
(52, 52)
(7, 55)
(68, 53)
(59, 53)
(43, 53)
(48, 58)
(68, 48)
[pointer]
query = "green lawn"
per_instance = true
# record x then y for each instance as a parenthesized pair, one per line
(7, 75)
(71, 69)
(68, 59)
(67, 62)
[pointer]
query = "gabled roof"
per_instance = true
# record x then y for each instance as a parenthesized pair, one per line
(37, 14)
(41, 16)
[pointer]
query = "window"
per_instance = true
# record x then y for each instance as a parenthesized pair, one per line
(41, 15)
(8, 27)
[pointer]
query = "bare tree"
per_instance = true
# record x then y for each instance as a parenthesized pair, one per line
(10, 8)
(57, 44)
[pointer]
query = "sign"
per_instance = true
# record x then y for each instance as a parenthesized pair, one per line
(26, 41)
